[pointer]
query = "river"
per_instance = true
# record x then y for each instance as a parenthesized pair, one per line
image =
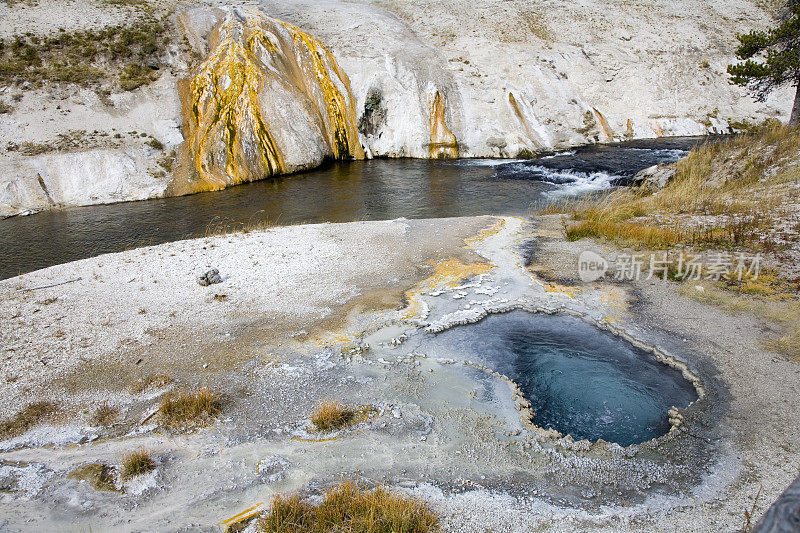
(377, 189)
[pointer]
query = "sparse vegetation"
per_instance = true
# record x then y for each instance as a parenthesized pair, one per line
(155, 144)
(167, 161)
(117, 57)
(5, 108)
(776, 308)
(71, 140)
(731, 194)
(26, 419)
(137, 463)
(189, 408)
(347, 507)
(99, 475)
(104, 415)
(331, 415)
(536, 23)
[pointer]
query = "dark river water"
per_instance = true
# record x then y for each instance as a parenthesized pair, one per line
(378, 189)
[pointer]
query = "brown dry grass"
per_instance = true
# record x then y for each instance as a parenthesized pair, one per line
(330, 415)
(725, 194)
(28, 417)
(346, 507)
(137, 463)
(104, 415)
(189, 408)
(100, 476)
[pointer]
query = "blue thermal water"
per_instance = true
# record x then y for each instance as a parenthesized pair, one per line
(580, 380)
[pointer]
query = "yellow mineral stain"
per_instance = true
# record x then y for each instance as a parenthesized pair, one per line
(334, 338)
(452, 272)
(228, 134)
(528, 130)
(629, 132)
(616, 300)
(485, 233)
(657, 129)
(414, 307)
(608, 133)
(448, 273)
(572, 292)
(340, 106)
(244, 515)
(443, 144)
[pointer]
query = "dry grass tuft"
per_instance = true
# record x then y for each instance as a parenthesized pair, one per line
(137, 463)
(99, 475)
(346, 507)
(624, 233)
(330, 415)
(26, 419)
(189, 408)
(104, 415)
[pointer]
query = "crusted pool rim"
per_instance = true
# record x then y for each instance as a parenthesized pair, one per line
(523, 405)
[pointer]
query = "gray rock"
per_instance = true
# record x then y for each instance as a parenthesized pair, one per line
(209, 278)
(272, 468)
(655, 177)
(784, 514)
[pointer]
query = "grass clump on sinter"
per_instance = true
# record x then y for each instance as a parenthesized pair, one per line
(729, 194)
(136, 463)
(120, 57)
(189, 408)
(28, 417)
(330, 415)
(347, 507)
(104, 415)
(99, 475)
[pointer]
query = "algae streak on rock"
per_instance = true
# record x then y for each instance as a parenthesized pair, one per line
(268, 99)
(443, 143)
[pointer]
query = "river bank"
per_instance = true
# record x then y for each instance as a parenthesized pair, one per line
(306, 313)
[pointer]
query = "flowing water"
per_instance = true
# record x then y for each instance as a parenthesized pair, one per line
(580, 380)
(354, 190)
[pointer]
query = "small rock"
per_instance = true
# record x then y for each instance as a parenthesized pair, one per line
(209, 278)
(655, 177)
(272, 468)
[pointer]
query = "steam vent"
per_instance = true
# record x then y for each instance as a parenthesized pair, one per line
(269, 99)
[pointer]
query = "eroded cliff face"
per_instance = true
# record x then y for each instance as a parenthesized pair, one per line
(281, 85)
(268, 99)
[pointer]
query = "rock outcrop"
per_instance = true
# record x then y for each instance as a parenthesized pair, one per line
(269, 99)
(279, 86)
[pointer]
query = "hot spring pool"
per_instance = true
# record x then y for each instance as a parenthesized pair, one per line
(580, 380)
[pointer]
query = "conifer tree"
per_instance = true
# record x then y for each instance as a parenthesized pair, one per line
(771, 58)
